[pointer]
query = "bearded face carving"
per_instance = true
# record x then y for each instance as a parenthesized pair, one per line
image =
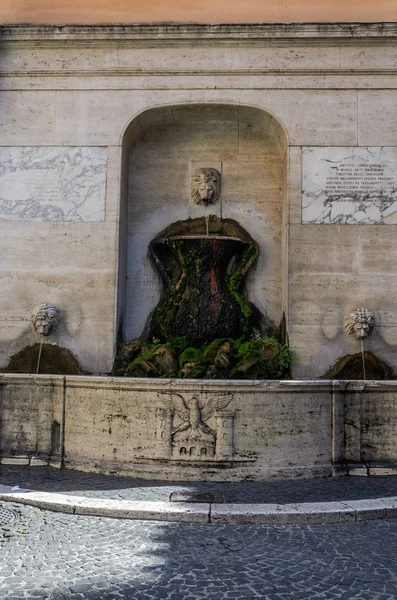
(360, 323)
(45, 318)
(206, 186)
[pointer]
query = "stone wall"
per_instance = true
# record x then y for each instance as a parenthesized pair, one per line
(247, 430)
(73, 94)
(31, 417)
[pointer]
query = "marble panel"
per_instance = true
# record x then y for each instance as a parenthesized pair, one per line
(52, 184)
(349, 185)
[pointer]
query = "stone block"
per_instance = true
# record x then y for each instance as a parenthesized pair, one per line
(357, 470)
(327, 118)
(37, 461)
(366, 510)
(377, 126)
(313, 513)
(287, 58)
(368, 58)
(27, 118)
(327, 512)
(159, 511)
(255, 513)
(294, 208)
(382, 470)
(15, 460)
(339, 471)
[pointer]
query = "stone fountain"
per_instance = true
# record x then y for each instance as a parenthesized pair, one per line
(203, 265)
(203, 262)
(221, 420)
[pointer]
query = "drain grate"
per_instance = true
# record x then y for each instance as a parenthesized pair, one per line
(198, 497)
(7, 516)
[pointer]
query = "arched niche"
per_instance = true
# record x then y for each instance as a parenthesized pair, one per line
(160, 148)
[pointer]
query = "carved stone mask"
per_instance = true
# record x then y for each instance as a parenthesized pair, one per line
(206, 186)
(45, 318)
(360, 323)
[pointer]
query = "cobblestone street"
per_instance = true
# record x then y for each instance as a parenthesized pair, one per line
(61, 556)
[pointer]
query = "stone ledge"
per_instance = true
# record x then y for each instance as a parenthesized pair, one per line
(32, 461)
(303, 513)
(119, 509)
(200, 33)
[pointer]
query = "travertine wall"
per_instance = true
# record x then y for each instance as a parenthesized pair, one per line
(261, 430)
(32, 417)
(75, 90)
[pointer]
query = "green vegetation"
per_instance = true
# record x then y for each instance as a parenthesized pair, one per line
(223, 358)
(234, 285)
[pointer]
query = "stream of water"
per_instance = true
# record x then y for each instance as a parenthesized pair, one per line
(207, 224)
(363, 359)
(39, 357)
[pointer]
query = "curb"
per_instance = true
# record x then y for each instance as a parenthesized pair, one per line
(189, 512)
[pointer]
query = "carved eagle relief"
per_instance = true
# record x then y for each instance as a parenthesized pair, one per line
(192, 416)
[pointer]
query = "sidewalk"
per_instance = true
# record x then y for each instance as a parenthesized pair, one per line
(310, 501)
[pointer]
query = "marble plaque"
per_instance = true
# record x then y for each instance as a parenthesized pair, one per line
(52, 184)
(349, 185)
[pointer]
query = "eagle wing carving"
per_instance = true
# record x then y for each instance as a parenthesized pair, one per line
(176, 403)
(213, 404)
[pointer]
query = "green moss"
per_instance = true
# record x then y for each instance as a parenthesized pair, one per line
(234, 284)
(191, 355)
(165, 312)
(273, 359)
(131, 369)
(258, 358)
(177, 344)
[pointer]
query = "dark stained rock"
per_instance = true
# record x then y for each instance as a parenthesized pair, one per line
(54, 360)
(127, 354)
(351, 367)
(166, 360)
(192, 371)
(223, 362)
(246, 370)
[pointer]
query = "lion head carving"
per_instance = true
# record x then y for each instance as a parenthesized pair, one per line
(360, 323)
(45, 318)
(206, 186)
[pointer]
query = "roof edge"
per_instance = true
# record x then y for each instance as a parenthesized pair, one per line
(193, 31)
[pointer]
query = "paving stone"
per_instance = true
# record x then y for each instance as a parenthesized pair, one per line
(106, 559)
(48, 554)
(48, 479)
